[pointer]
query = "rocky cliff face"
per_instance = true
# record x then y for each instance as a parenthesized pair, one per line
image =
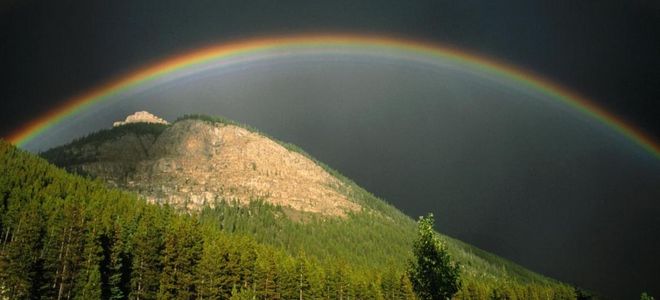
(192, 163)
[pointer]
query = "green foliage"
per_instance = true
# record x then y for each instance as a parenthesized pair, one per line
(582, 294)
(21, 261)
(60, 157)
(65, 236)
(433, 274)
(113, 133)
(357, 239)
(214, 120)
(88, 284)
(646, 296)
(182, 251)
(243, 294)
(147, 246)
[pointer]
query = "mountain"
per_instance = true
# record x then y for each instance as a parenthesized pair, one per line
(238, 213)
(196, 162)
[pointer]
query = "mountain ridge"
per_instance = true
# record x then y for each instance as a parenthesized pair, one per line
(192, 163)
(380, 222)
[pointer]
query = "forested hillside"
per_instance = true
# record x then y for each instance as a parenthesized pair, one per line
(67, 237)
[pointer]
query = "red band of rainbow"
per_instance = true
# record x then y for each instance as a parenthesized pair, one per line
(226, 51)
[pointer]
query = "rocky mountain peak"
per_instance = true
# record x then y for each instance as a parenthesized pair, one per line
(140, 117)
(195, 162)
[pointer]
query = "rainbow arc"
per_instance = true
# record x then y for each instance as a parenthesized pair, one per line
(312, 43)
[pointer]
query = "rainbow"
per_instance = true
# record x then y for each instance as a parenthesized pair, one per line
(261, 46)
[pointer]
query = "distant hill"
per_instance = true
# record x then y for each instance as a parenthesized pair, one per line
(242, 191)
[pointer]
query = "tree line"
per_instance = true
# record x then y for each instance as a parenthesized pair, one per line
(63, 236)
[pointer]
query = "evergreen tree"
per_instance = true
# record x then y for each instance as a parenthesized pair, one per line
(119, 262)
(474, 290)
(66, 237)
(91, 288)
(209, 272)
(434, 276)
(267, 276)
(406, 290)
(564, 293)
(646, 296)
(501, 293)
(242, 294)
(19, 255)
(88, 282)
(146, 264)
(389, 284)
(69, 239)
(183, 248)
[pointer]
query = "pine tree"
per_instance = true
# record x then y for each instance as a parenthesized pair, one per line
(389, 284)
(473, 290)
(64, 257)
(406, 290)
(63, 236)
(501, 293)
(19, 256)
(432, 273)
(267, 277)
(118, 262)
(209, 272)
(246, 253)
(338, 284)
(91, 288)
(183, 248)
(373, 289)
(301, 277)
(147, 249)
(88, 281)
(564, 293)
(243, 294)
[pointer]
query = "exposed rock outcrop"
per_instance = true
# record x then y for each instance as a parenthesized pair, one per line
(194, 163)
(140, 117)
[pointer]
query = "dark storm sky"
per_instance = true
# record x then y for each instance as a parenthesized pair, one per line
(51, 50)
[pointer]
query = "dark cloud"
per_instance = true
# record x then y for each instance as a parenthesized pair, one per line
(503, 167)
(525, 179)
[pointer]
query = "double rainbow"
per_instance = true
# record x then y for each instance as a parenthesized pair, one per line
(312, 43)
